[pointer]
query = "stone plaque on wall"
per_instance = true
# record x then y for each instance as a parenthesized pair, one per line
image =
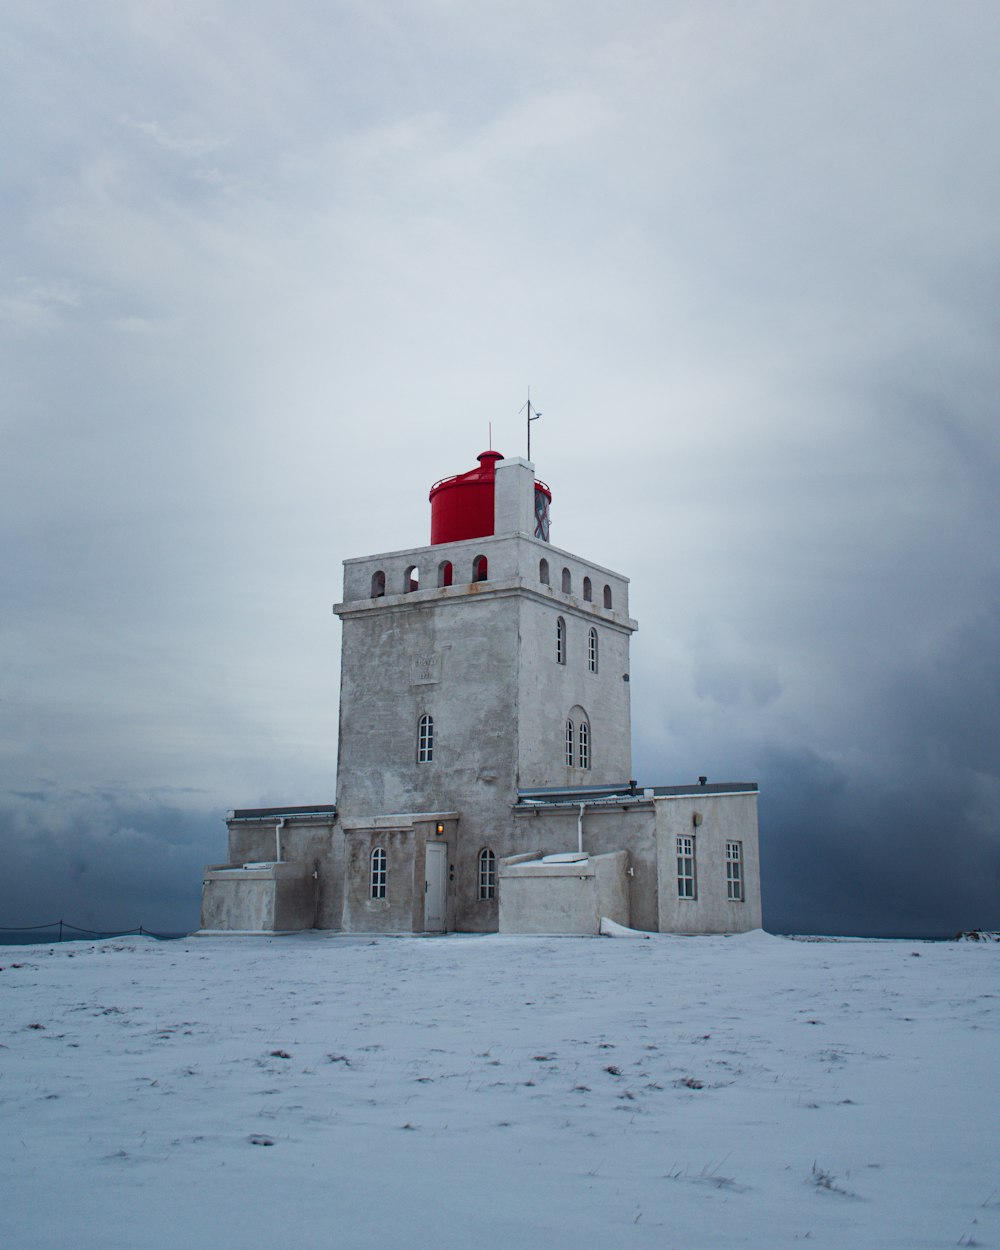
(426, 670)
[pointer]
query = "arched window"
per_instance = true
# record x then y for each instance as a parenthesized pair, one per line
(487, 874)
(480, 568)
(378, 584)
(588, 591)
(376, 873)
(578, 740)
(607, 597)
(543, 572)
(411, 579)
(560, 640)
(445, 573)
(567, 582)
(592, 651)
(425, 739)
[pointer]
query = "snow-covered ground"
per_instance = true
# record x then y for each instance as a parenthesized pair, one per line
(495, 1092)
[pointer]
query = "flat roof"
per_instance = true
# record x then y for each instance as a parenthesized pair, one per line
(627, 793)
(275, 813)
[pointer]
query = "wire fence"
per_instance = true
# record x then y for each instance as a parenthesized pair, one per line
(63, 931)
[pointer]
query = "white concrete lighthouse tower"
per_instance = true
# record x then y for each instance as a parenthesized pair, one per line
(483, 664)
(484, 762)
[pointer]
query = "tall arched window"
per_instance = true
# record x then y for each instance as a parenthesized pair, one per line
(583, 755)
(592, 651)
(425, 739)
(376, 873)
(567, 582)
(588, 590)
(543, 572)
(579, 744)
(445, 572)
(607, 597)
(411, 579)
(487, 874)
(560, 640)
(480, 569)
(378, 584)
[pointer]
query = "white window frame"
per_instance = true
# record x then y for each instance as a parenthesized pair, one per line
(487, 875)
(583, 749)
(687, 882)
(734, 872)
(560, 640)
(425, 739)
(377, 873)
(592, 650)
(570, 743)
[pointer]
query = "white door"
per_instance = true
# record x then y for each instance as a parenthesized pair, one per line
(435, 886)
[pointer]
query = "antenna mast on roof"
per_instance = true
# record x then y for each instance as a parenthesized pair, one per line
(531, 418)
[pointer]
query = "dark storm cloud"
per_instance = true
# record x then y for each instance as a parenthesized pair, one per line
(103, 861)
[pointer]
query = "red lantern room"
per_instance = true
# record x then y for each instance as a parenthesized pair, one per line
(463, 506)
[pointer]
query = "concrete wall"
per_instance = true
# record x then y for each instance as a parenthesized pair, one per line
(404, 839)
(565, 898)
(304, 839)
(551, 692)
(605, 830)
(276, 897)
(720, 818)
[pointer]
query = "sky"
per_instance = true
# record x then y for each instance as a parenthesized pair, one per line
(269, 271)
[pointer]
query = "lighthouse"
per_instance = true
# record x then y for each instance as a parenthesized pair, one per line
(484, 772)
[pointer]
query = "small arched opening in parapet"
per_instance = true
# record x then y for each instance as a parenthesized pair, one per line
(378, 584)
(588, 591)
(411, 579)
(607, 597)
(567, 582)
(480, 569)
(543, 571)
(445, 573)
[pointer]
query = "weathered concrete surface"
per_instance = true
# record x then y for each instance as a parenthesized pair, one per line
(712, 820)
(567, 898)
(269, 897)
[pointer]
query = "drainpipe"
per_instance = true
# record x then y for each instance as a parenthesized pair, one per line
(579, 829)
(277, 840)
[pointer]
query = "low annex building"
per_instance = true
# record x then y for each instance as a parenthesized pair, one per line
(484, 760)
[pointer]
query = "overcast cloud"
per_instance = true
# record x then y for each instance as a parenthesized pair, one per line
(268, 271)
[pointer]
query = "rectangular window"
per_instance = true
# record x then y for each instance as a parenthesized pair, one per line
(734, 871)
(569, 744)
(685, 867)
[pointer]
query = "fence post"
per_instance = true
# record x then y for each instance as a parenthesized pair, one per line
(60, 930)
